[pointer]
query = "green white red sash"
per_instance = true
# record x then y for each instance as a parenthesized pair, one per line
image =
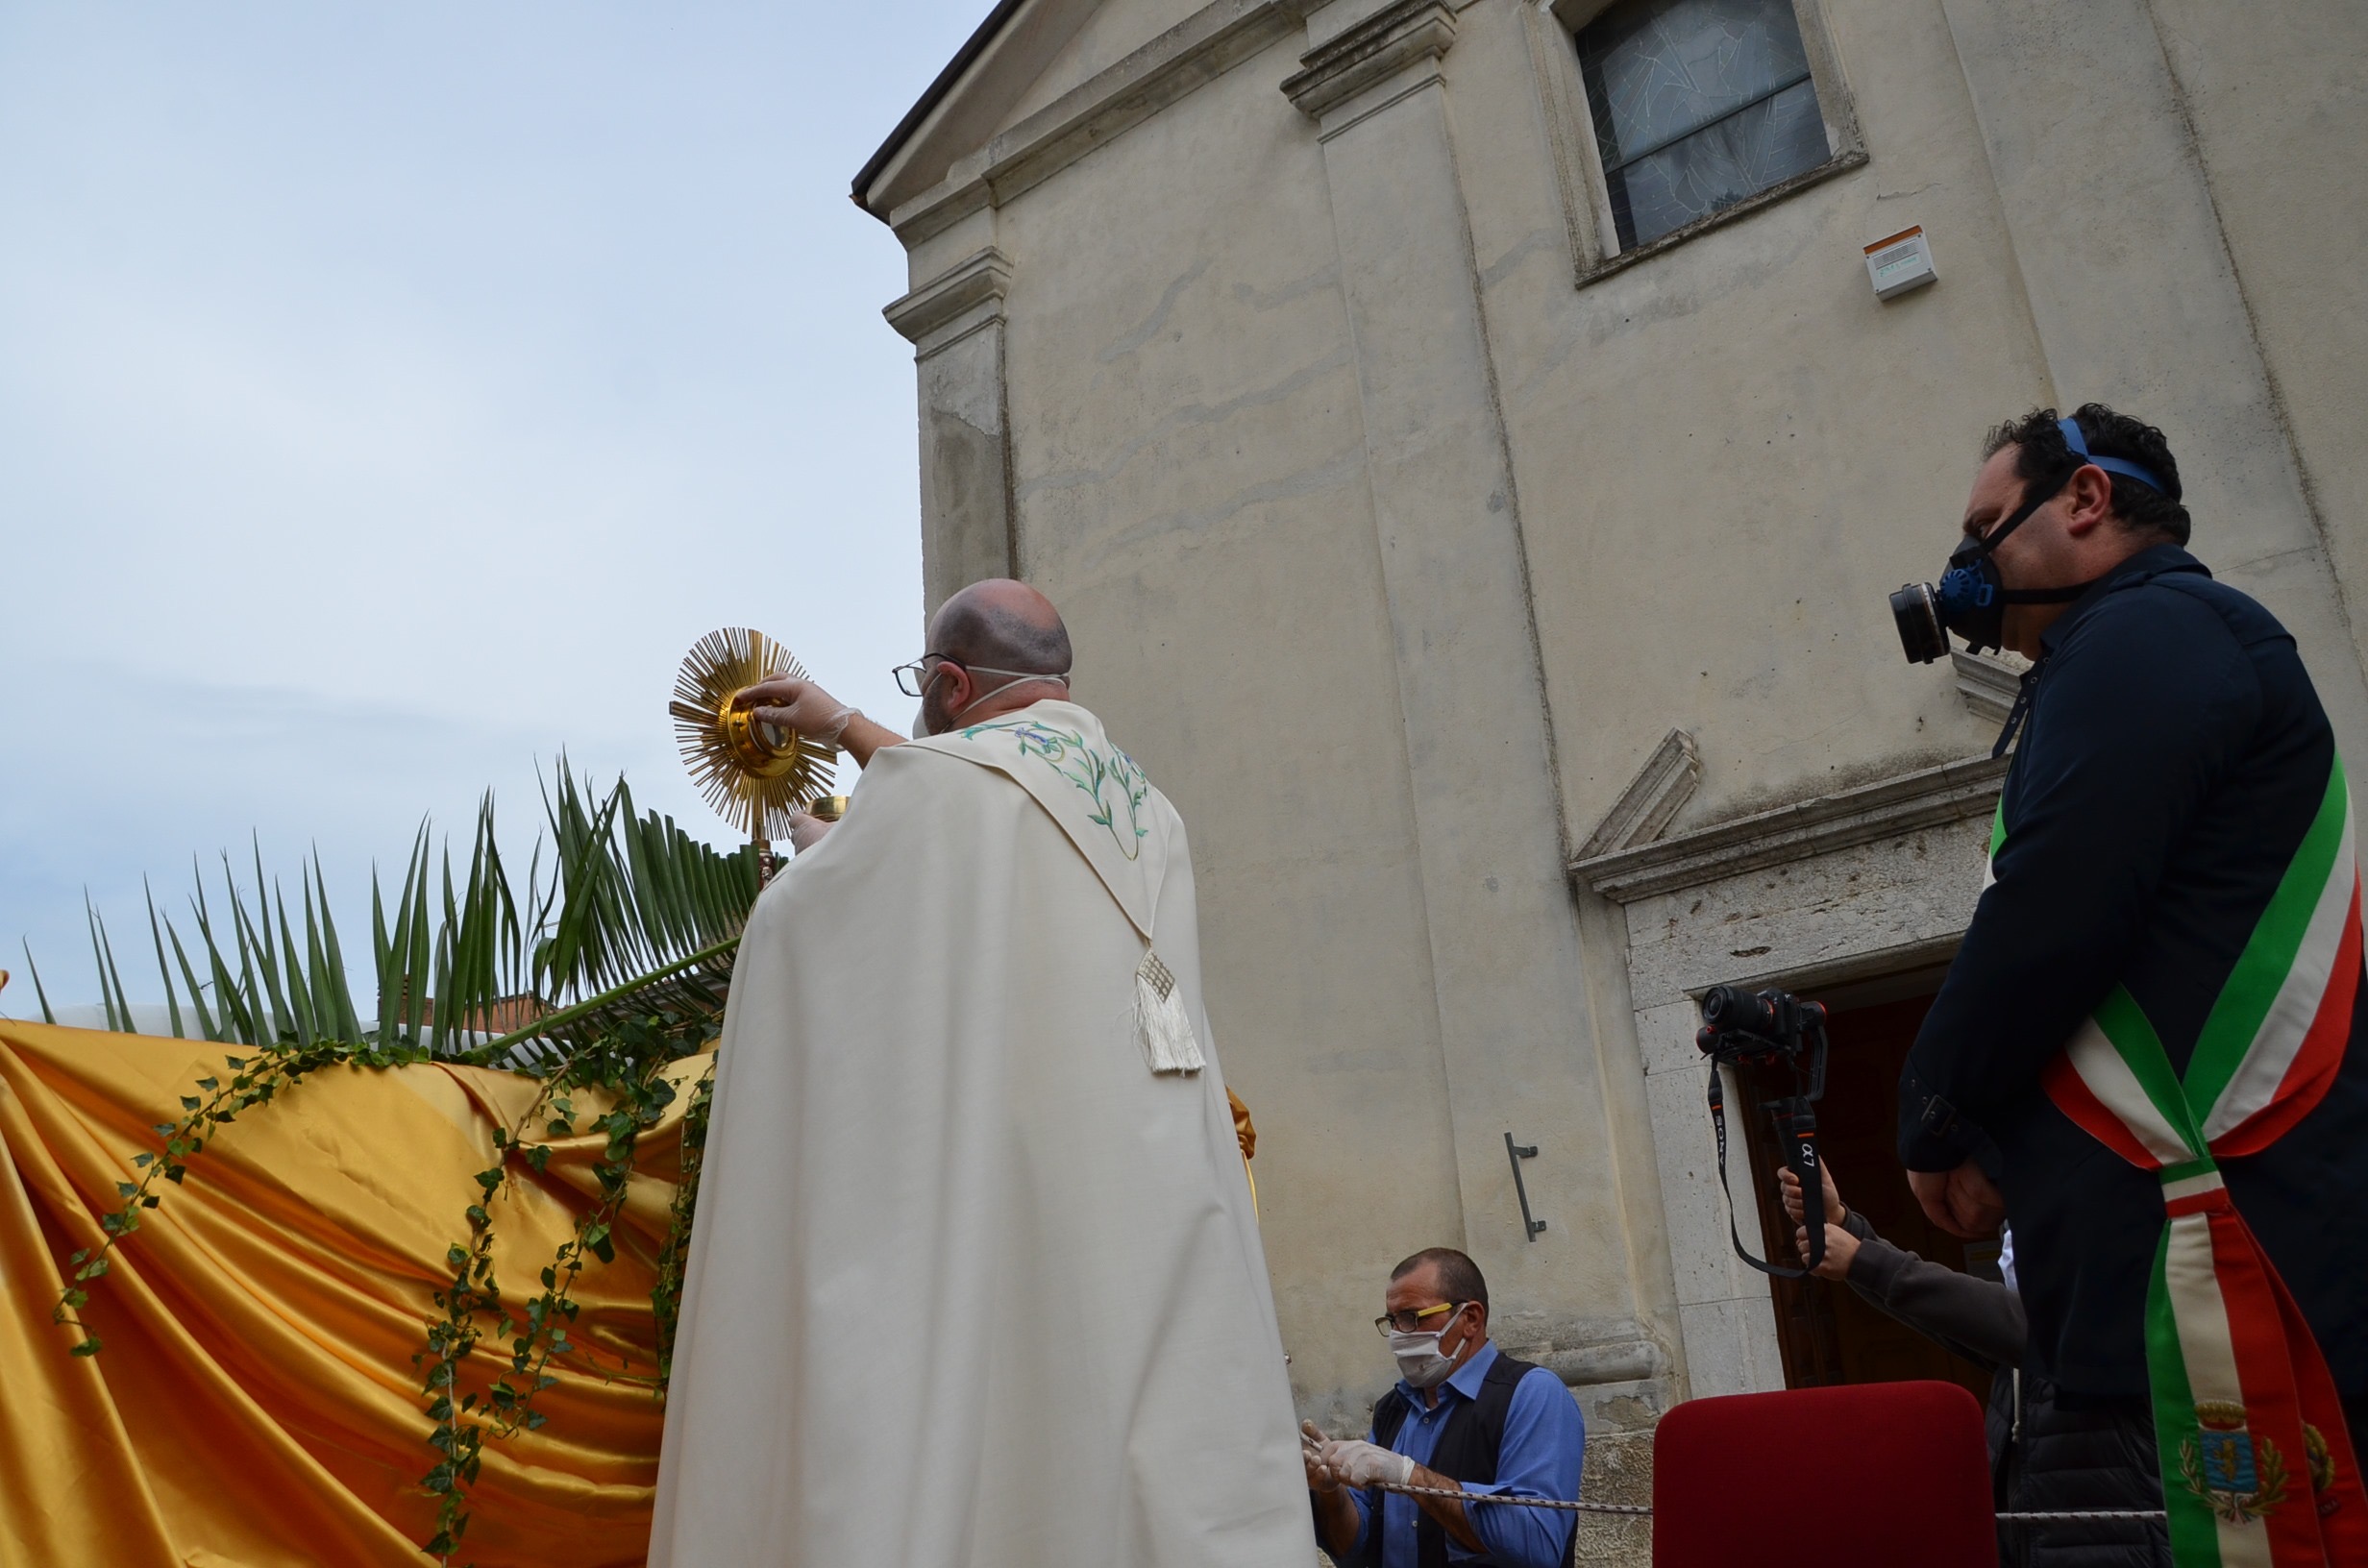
(2257, 1465)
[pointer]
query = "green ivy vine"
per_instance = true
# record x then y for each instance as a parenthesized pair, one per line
(256, 1079)
(627, 1062)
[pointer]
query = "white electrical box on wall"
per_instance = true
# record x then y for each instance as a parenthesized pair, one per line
(1900, 263)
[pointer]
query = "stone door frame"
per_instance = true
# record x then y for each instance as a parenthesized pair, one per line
(1836, 892)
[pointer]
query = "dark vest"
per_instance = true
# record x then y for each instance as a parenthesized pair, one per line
(1466, 1451)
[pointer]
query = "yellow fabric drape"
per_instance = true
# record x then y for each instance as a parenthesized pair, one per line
(255, 1405)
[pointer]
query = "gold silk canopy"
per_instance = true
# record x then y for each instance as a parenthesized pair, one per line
(255, 1405)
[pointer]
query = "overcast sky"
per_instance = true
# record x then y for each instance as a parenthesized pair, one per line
(390, 395)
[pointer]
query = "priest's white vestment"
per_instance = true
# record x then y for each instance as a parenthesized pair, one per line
(972, 1285)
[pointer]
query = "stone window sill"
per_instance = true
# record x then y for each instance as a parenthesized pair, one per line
(1840, 163)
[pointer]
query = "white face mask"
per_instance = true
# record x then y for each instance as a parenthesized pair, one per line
(920, 720)
(1420, 1360)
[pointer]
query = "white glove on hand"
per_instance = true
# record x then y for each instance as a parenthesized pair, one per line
(1361, 1464)
(805, 832)
(794, 704)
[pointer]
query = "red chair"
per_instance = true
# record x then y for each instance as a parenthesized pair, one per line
(1878, 1474)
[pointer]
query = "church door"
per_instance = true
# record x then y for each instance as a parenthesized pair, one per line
(1828, 1335)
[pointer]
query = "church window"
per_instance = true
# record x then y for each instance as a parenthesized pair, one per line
(1697, 106)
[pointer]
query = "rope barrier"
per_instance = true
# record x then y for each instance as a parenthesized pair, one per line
(1635, 1509)
(2051, 1516)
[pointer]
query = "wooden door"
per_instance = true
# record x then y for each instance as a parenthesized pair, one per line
(1829, 1334)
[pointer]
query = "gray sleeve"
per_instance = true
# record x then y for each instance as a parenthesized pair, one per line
(1978, 1319)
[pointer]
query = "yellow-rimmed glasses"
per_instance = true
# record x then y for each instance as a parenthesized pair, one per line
(1410, 1321)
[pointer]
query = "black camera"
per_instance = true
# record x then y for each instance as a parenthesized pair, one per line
(1769, 1028)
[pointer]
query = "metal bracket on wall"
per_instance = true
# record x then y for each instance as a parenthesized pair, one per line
(1515, 1153)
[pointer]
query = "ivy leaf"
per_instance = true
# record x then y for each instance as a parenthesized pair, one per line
(597, 1238)
(93, 1270)
(143, 1159)
(191, 1102)
(237, 1065)
(88, 1347)
(124, 1189)
(208, 1084)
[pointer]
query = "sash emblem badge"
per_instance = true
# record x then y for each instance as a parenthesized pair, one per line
(2241, 1476)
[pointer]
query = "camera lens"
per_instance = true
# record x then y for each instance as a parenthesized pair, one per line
(1731, 1008)
(1916, 612)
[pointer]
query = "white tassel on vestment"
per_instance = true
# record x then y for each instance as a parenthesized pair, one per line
(1164, 1029)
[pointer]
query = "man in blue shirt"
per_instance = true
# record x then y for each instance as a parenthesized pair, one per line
(1463, 1417)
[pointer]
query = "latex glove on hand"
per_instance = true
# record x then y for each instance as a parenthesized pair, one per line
(797, 705)
(805, 832)
(1319, 1476)
(1361, 1464)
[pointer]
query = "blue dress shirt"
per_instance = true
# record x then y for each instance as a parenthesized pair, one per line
(1545, 1437)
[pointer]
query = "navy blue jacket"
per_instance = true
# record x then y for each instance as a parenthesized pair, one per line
(2173, 758)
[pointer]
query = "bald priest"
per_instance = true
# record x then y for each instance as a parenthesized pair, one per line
(976, 1282)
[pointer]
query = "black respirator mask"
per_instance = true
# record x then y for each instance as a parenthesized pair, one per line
(1971, 597)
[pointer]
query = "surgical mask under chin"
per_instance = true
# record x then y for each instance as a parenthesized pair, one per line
(920, 720)
(1420, 1360)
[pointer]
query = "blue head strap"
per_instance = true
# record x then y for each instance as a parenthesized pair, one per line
(2144, 476)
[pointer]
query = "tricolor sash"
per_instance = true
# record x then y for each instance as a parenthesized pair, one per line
(2257, 1466)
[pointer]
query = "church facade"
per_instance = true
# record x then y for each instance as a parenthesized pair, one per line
(1471, 442)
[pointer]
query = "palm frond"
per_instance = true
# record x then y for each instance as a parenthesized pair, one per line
(39, 994)
(627, 913)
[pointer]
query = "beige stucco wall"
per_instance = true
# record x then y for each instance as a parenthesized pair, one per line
(1191, 495)
(2278, 101)
(1730, 454)
(1255, 439)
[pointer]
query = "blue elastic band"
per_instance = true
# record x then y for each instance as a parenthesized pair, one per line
(2079, 444)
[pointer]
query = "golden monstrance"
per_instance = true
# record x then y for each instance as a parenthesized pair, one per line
(755, 774)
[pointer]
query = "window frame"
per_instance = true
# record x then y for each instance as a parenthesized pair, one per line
(1553, 29)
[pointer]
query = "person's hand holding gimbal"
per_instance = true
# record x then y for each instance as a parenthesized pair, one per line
(1841, 1246)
